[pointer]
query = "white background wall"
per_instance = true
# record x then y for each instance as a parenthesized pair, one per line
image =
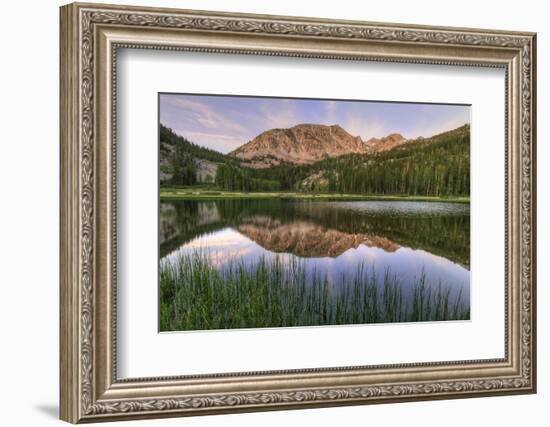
(29, 171)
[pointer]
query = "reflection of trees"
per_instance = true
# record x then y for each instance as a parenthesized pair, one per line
(182, 221)
(443, 235)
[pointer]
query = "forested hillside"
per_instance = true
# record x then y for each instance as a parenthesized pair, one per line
(435, 166)
(181, 159)
(169, 137)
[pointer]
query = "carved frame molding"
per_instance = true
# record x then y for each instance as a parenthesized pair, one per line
(90, 37)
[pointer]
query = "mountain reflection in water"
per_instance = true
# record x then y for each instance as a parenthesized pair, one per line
(331, 240)
(307, 239)
(323, 229)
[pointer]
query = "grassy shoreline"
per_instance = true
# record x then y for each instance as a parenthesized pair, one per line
(196, 296)
(203, 194)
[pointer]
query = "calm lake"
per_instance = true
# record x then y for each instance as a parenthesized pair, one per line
(331, 241)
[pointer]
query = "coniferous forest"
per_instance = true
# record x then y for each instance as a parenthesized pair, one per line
(436, 166)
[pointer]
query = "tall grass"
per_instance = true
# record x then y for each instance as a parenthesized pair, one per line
(280, 292)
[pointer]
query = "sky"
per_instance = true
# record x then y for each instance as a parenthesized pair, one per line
(224, 123)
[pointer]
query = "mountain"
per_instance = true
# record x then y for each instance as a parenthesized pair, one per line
(301, 144)
(324, 159)
(434, 166)
(389, 142)
(307, 239)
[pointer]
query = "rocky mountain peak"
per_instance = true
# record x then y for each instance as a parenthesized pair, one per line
(308, 143)
(386, 143)
(301, 144)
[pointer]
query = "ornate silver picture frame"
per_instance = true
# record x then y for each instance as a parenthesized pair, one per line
(91, 36)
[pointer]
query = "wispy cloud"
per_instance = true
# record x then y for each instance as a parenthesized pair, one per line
(224, 123)
(435, 128)
(366, 128)
(215, 141)
(203, 114)
(278, 115)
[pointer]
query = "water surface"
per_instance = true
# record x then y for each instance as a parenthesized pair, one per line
(332, 240)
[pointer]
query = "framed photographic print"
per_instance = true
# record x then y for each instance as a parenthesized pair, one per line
(265, 212)
(306, 224)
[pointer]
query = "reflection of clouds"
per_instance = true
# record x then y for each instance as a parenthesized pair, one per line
(364, 252)
(218, 239)
(286, 259)
(229, 246)
(436, 259)
(220, 258)
(220, 247)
